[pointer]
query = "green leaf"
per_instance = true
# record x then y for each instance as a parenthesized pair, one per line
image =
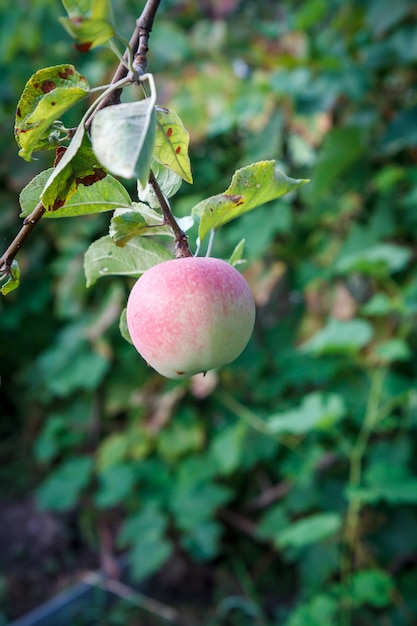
(227, 448)
(103, 258)
(342, 147)
(195, 503)
(116, 483)
(321, 610)
(12, 279)
(61, 490)
(123, 138)
(168, 181)
(251, 187)
(373, 587)
(104, 194)
(62, 181)
(202, 542)
(171, 144)
(309, 530)
(112, 450)
(46, 96)
(237, 254)
(127, 224)
(339, 337)
(317, 411)
(145, 533)
(89, 22)
(394, 350)
(379, 260)
(388, 483)
(124, 331)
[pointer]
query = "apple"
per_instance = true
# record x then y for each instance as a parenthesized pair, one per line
(190, 315)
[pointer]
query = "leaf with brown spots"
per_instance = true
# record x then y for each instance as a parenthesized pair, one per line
(171, 144)
(46, 96)
(90, 23)
(251, 187)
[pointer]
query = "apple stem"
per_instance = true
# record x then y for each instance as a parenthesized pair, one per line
(182, 249)
(210, 243)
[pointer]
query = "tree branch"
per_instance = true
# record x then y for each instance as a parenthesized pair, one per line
(139, 43)
(182, 249)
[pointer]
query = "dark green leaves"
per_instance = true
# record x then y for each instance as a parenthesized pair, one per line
(47, 95)
(251, 186)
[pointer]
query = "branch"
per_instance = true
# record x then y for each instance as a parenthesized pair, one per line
(29, 224)
(138, 42)
(182, 249)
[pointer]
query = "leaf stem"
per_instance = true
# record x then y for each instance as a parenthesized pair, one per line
(350, 537)
(182, 249)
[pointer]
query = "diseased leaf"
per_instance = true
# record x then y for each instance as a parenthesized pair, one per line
(171, 144)
(90, 22)
(104, 258)
(47, 95)
(106, 194)
(123, 138)
(60, 183)
(251, 187)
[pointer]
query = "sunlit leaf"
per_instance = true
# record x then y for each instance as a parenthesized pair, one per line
(339, 337)
(309, 530)
(171, 144)
(47, 95)
(317, 411)
(251, 187)
(104, 258)
(123, 138)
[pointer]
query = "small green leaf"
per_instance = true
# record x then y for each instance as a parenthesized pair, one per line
(91, 23)
(339, 337)
(237, 254)
(171, 144)
(123, 138)
(168, 181)
(373, 587)
(60, 183)
(379, 260)
(309, 530)
(124, 331)
(317, 411)
(62, 488)
(116, 484)
(12, 279)
(394, 350)
(251, 187)
(127, 224)
(46, 96)
(103, 258)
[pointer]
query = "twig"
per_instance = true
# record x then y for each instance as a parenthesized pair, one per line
(138, 42)
(182, 249)
(29, 224)
(125, 592)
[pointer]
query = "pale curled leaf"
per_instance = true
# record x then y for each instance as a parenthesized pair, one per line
(104, 258)
(251, 187)
(171, 144)
(168, 181)
(123, 138)
(139, 219)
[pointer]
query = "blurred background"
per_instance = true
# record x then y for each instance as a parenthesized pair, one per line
(282, 489)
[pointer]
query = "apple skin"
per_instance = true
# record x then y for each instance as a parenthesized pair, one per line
(190, 315)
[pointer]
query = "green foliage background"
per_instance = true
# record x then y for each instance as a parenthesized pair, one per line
(291, 472)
